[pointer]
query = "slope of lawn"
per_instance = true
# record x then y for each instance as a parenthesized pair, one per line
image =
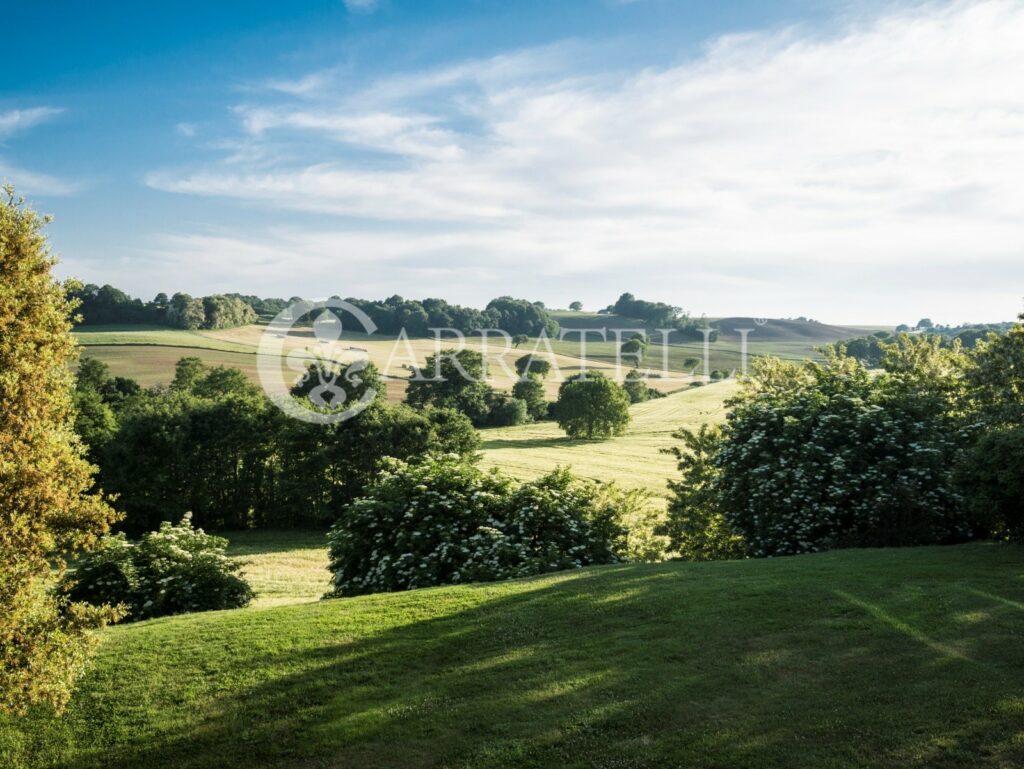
(883, 658)
(633, 460)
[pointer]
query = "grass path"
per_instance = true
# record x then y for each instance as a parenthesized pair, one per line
(889, 659)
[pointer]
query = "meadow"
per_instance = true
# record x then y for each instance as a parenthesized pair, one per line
(148, 353)
(859, 658)
(633, 460)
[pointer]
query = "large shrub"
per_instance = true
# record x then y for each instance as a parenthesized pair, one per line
(173, 570)
(993, 474)
(694, 524)
(445, 521)
(829, 455)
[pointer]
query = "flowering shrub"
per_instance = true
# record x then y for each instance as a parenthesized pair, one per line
(444, 521)
(828, 455)
(170, 571)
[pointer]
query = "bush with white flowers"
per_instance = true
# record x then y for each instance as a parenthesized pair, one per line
(173, 570)
(444, 521)
(830, 455)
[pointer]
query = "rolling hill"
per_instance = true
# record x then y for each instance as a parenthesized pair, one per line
(870, 658)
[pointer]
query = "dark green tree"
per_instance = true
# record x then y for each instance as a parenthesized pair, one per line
(591, 406)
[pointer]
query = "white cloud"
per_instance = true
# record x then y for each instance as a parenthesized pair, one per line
(900, 140)
(188, 130)
(15, 120)
(32, 183)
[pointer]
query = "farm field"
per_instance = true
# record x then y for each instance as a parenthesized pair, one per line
(148, 353)
(633, 460)
(858, 658)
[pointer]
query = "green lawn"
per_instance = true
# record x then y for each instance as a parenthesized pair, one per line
(878, 658)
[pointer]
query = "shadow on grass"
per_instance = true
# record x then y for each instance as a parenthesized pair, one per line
(266, 541)
(723, 665)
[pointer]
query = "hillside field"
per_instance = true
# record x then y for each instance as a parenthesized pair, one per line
(870, 658)
(148, 353)
(633, 460)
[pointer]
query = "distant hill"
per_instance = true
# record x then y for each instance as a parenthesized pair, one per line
(779, 330)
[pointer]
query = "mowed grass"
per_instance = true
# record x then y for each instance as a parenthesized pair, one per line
(633, 460)
(288, 566)
(870, 658)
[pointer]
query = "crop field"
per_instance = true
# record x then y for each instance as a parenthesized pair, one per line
(149, 354)
(861, 658)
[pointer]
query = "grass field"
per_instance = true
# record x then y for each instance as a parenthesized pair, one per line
(877, 658)
(633, 460)
(148, 353)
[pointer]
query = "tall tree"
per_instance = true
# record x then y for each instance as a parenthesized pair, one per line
(46, 508)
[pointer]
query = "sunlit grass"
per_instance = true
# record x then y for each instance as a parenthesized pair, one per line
(847, 659)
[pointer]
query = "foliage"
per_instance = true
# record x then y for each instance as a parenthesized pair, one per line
(844, 458)
(576, 306)
(504, 410)
(451, 379)
(443, 521)
(694, 523)
(213, 445)
(530, 390)
(48, 508)
(992, 475)
(591, 406)
(173, 570)
(332, 385)
(520, 316)
(636, 387)
(653, 313)
(530, 364)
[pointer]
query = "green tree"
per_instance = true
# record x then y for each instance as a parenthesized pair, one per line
(530, 364)
(576, 306)
(530, 390)
(992, 477)
(47, 507)
(592, 406)
(636, 387)
(519, 339)
(694, 522)
(452, 379)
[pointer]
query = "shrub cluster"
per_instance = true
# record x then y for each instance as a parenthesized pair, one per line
(173, 570)
(827, 455)
(444, 521)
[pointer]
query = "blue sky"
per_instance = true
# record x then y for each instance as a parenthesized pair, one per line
(851, 162)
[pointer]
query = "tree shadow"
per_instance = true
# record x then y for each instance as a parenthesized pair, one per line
(718, 665)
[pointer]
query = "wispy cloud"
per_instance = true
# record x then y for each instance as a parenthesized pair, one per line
(32, 183)
(901, 138)
(16, 120)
